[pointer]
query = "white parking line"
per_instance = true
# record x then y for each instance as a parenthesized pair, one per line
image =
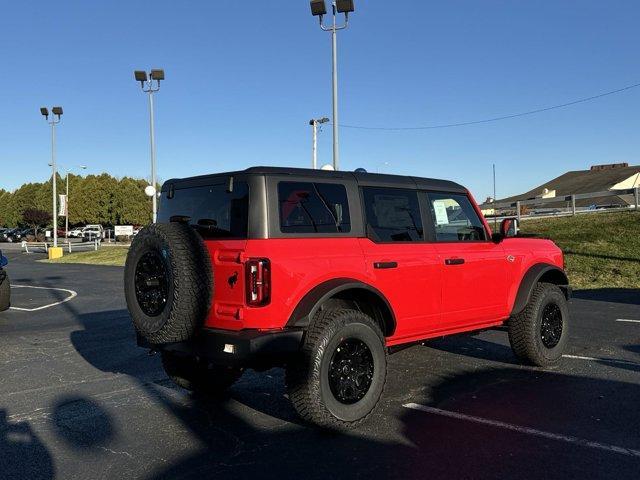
(526, 430)
(601, 359)
(71, 293)
(627, 320)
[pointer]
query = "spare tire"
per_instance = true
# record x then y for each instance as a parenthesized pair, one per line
(168, 282)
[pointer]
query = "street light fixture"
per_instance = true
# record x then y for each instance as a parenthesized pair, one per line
(318, 9)
(55, 119)
(150, 84)
(314, 122)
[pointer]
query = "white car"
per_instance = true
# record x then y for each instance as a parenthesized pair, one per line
(92, 232)
(75, 233)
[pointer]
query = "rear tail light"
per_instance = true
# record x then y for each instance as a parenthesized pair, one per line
(258, 277)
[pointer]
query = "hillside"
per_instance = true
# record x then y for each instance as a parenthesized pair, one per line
(602, 249)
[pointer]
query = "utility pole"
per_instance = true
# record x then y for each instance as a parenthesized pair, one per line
(495, 213)
(318, 8)
(314, 145)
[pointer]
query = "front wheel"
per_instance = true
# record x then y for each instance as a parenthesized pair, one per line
(539, 334)
(339, 378)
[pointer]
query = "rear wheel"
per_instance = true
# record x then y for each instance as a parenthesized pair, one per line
(339, 378)
(198, 376)
(539, 334)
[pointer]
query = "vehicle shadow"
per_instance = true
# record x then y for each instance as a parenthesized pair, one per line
(566, 413)
(472, 346)
(22, 453)
(236, 442)
(615, 295)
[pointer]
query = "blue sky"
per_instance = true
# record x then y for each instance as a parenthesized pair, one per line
(244, 78)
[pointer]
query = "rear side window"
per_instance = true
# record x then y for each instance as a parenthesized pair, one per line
(310, 207)
(212, 210)
(455, 219)
(392, 215)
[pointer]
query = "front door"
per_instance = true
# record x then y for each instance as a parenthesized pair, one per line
(474, 279)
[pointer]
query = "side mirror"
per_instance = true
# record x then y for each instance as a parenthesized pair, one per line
(509, 227)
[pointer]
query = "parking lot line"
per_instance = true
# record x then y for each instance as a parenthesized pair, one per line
(627, 320)
(526, 430)
(71, 296)
(601, 359)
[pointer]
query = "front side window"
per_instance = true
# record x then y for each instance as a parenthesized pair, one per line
(455, 219)
(213, 211)
(310, 207)
(392, 215)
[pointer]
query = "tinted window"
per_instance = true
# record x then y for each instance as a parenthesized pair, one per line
(392, 215)
(455, 219)
(307, 207)
(211, 210)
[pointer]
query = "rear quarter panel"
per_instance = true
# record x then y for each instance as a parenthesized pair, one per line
(297, 265)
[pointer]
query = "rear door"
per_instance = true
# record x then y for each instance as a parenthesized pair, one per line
(405, 268)
(474, 282)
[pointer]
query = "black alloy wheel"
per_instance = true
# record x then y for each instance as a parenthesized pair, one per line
(551, 325)
(151, 285)
(351, 371)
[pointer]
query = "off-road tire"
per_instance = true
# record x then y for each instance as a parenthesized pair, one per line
(5, 292)
(307, 376)
(525, 327)
(198, 376)
(188, 281)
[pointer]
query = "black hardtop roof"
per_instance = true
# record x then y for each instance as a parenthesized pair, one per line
(362, 178)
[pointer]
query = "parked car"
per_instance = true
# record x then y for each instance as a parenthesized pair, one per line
(5, 285)
(75, 233)
(92, 232)
(11, 235)
(323, 273)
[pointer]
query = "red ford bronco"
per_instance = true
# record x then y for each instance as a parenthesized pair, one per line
(322, 272)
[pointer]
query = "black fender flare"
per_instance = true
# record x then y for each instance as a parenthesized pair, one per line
(314, 298)
(532, 277)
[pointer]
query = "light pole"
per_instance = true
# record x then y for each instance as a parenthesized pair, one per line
(146, 82)
(314, 122)
(319, 9)
(55, 119)
(66, 226)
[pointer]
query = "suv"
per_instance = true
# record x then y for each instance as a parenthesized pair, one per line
(323, 272)
(5, 286)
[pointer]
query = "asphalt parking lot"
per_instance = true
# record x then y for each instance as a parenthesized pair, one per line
(80, 400)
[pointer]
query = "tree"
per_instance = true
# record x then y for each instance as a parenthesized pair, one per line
(100, 199)
(36, 218)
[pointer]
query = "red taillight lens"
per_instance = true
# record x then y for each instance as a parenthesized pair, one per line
(258, 277)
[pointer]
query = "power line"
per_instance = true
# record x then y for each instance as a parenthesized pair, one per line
(496, 119)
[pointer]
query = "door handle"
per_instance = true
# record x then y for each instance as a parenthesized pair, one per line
(385, 264)
(454, 261)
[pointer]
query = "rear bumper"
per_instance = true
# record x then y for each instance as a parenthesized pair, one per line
(248, 348)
